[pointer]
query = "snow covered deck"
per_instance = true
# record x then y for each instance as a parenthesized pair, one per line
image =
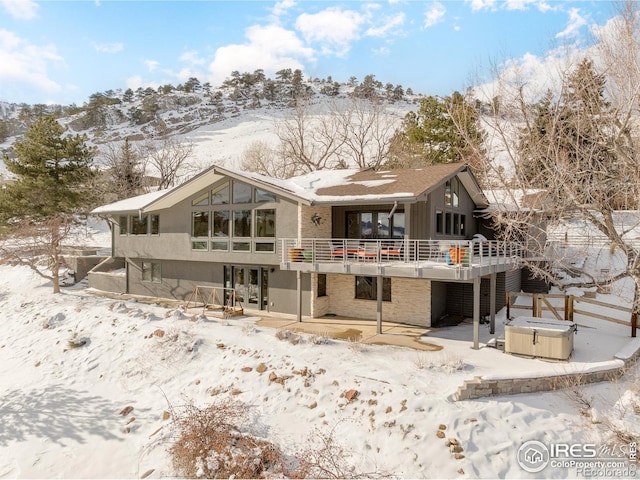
(433, 259)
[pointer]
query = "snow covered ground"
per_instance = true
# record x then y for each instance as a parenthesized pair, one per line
(61, 404)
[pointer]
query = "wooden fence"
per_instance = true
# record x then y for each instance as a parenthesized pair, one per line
(570, 305)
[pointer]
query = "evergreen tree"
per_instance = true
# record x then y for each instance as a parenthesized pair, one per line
(51, 171)
(434, 134)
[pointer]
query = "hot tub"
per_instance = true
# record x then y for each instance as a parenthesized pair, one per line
(539, 337)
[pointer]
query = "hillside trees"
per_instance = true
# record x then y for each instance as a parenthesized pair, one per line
(38, 207)
(580, 144)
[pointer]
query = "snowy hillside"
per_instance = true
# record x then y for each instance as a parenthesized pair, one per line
(86, 382)
(220, 122)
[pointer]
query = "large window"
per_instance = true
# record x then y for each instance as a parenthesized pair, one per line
(245, 228)
(265, 223)
(375, 225)
(200, 224)
(452, 192)
(242, 223)
(241, 192)
(151, 272)
(139, 225)
(155, 224)
(367, 288)
(220, 195)
(123, 223)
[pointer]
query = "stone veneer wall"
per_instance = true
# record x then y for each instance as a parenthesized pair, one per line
(319, 305)
(306, 227)
(410, 300)
(480, 387)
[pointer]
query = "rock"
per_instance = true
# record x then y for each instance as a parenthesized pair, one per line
(158, 333)
(236, 391)
(440, 434)
(166, 415)
(126, 410)
(455, 449)
(312, 405)
(442, 426)
(261, 368)
(37, 364)
(246, 369)
(272, 377)
(459, 456)
(132, 419)
(351, 394)
(197, 382)
(220, 346)
(388, 410)
(453, 441)
(460, 470)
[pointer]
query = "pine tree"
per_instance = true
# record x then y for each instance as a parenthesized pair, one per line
(438, 132)
(51, 171)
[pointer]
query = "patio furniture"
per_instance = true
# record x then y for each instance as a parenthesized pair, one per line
(336, 250)
(369, 252)
(392, 251)
(353, 248)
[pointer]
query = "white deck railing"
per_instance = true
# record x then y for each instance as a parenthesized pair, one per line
(460, 253)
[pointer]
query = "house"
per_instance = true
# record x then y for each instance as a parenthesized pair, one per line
(403, 244)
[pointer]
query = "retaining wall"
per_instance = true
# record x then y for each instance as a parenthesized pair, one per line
(486, 387)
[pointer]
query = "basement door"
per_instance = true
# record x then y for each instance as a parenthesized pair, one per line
(251, 285)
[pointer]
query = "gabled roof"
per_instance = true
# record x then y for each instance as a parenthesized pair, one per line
(323, 187)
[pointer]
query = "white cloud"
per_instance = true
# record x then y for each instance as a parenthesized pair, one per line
(152, 65)
(270, 48)
(137, 81)
(20, 9)
(23, 64)
(481, 4)
(434, 15)
(388, 27)
(333, 28)
(108, 47)
(576, 22)
(280, 8)
(381, 52)
(192, 57)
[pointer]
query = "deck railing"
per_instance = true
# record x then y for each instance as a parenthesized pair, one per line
(459, 253)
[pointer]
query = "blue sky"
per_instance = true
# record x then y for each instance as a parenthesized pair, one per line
(63, 51)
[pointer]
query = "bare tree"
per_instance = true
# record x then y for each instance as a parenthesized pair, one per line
(39, 247)
(261, 158)
(310, 139)
(168, 156)
(366, 131)
(570, 154)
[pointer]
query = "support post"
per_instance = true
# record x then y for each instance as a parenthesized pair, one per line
(634, 324)
(492, 303)
(299, 296)
(379, 304)
(476, 313)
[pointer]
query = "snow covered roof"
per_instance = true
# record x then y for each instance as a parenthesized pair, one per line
(516, 199)
(133, 204)
(330, 187)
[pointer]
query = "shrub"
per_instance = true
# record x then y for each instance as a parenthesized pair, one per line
(209, 444)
